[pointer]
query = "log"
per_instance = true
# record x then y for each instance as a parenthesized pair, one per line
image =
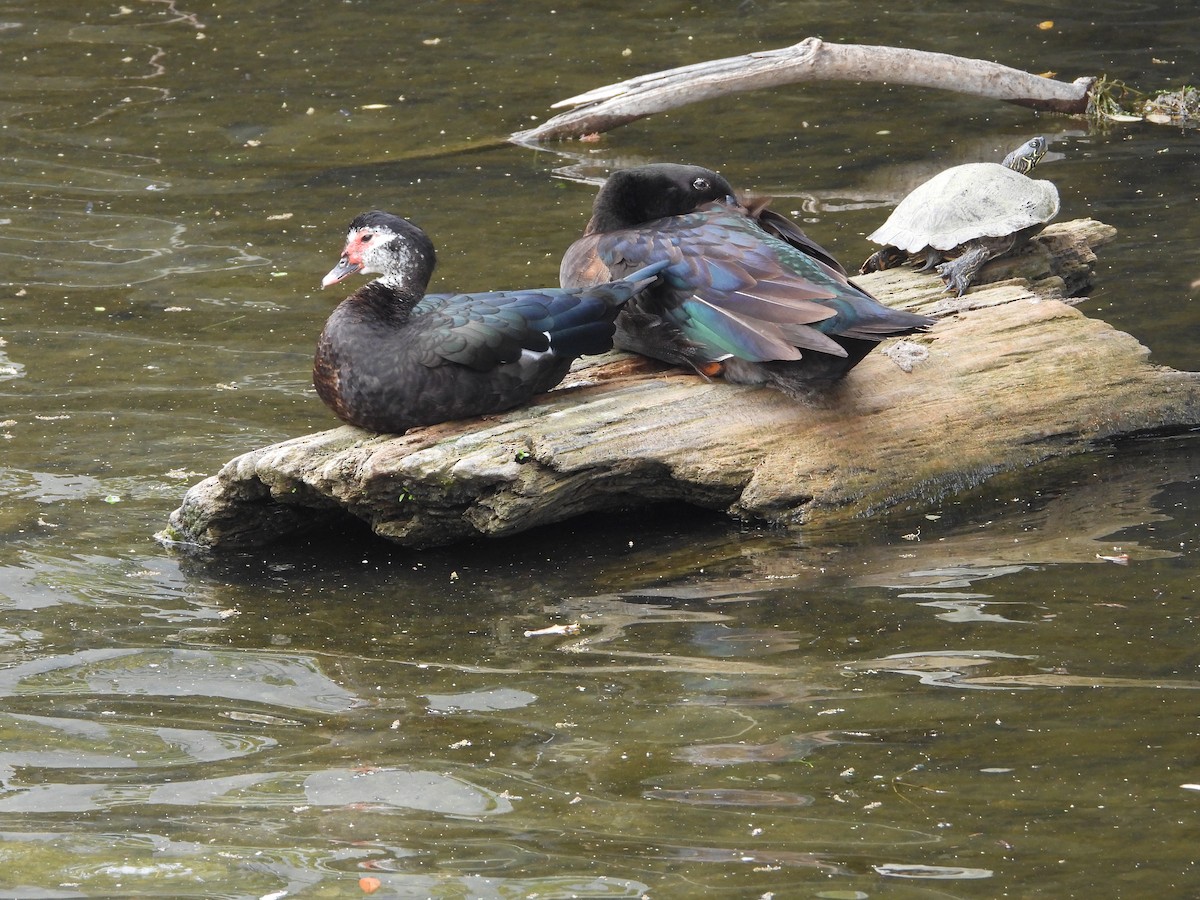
(812, 59)
(1011, 374)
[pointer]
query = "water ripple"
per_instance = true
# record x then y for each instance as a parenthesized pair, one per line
(80, 249)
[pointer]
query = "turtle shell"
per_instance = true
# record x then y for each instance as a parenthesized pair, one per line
(966, 202)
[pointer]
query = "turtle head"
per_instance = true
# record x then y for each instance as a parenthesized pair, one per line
(1028, 155)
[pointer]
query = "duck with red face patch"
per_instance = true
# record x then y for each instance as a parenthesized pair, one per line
(392, 357)
(743, 295)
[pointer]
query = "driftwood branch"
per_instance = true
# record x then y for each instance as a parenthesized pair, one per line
(1008, 376)
(810, 60)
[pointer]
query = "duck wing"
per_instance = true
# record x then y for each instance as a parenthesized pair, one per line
(738, 291)
(780, 226)
(484, 330)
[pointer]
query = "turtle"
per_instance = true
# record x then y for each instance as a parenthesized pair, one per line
(968, 214)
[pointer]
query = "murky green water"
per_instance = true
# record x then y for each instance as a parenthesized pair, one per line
(966, 701)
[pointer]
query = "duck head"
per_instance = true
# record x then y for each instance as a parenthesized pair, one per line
(642, 194)
(386, 245)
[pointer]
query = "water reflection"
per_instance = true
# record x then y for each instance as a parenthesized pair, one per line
(273, 679)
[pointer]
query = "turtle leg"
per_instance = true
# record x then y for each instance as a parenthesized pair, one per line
(932, 258)
(959, 274)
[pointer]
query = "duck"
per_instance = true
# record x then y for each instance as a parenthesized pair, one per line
(745, 294)
(392, 357)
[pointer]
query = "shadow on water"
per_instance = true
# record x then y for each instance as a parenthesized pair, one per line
(1090, 511)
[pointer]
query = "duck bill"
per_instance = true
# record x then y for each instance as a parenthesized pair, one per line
(343, 269)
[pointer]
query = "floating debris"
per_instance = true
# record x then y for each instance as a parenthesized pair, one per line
(1181, 107)
(554, 629)
(1105, 101)
(180, 474)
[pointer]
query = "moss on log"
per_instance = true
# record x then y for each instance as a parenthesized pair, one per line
(1012, 374)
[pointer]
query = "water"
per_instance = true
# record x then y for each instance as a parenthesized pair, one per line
(995, 697)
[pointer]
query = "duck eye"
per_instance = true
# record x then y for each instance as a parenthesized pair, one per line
(700, 184)
(365, 238)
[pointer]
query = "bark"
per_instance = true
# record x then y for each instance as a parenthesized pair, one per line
(1009, 376)
(810, 60)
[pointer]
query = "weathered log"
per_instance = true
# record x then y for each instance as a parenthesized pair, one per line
(1010, 375)
(810, 60)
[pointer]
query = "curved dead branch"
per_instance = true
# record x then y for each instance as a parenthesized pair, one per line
(810, 60)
